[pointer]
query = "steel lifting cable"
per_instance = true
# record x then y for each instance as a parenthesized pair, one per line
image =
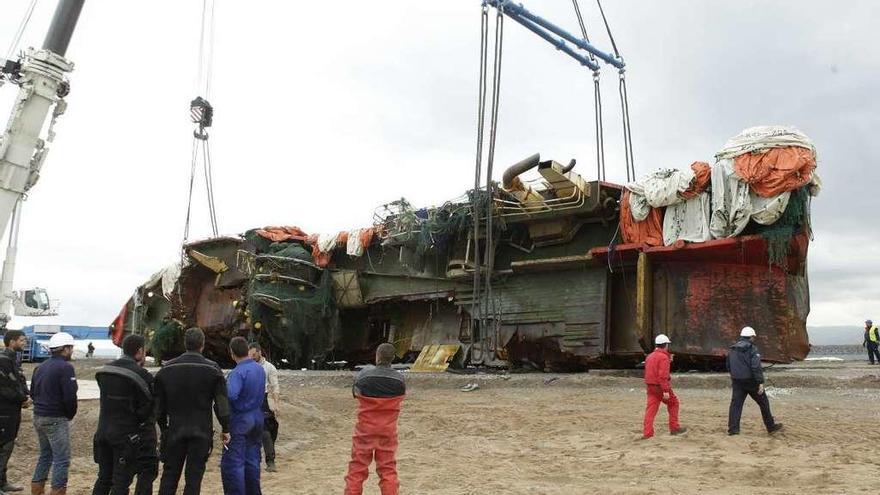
(597, 101)
(624, 104)
(481, 118)
(490, 161)
(21, 29)
(202, 114)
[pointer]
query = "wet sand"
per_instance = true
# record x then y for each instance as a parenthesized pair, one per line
(575, 435)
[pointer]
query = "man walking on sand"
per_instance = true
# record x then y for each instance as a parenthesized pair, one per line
(747, 378)
(659, 388)
(379, 391)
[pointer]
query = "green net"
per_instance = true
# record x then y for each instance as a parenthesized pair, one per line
(300, 321)
(779, 234)
(166, 340)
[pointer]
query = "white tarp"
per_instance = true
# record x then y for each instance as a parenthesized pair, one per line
(663, 187)
(688, 220)
(768, 210)
(168, 276)
(353, 247)
(762, 138)
(731, 203)
(638, 206)
(327, 242)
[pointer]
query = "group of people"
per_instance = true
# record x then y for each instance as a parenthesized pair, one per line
(179, 399)
(746, 378)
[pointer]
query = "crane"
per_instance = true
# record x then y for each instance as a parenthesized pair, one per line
(41, 77)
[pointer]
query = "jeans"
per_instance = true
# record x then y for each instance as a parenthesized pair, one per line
(741, 389)
(53, 435)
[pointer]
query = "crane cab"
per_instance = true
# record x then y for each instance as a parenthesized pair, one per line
(34, 302)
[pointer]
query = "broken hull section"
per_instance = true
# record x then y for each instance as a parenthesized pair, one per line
(563, 295)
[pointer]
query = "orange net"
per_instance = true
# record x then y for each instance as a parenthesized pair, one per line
(279, 234)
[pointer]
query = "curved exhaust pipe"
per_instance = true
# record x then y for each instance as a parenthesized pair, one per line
(518, 168)
(566, 169)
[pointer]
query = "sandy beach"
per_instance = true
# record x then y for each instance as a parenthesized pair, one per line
(577, 434)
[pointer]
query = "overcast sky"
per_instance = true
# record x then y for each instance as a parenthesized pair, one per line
(325, 111)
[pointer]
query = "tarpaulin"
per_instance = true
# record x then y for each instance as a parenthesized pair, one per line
(763, 138)
(279, 234)
(702, 175)
(638, 205)
(777, 170)
(358, 241)
(663, 187)
(731, 203)
(768, 210)
(688, 220)
(648, 231)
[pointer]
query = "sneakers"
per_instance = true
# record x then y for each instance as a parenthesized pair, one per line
(270, 467)
(678, 431)
(773, 429)
(9, 487)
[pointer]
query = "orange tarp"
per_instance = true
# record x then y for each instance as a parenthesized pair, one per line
(776, 170)
(702, 175)
(278, 234)
(649, 231)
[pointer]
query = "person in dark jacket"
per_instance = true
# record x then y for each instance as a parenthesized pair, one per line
(14, 396)
(246, 386)
(53, 389)
(186, 389)
(747, 378)
(125, 443)
(379, 390)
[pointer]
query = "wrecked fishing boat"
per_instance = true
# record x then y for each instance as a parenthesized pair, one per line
(545, 271)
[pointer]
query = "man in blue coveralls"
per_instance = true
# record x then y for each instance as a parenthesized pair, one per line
(246, 386)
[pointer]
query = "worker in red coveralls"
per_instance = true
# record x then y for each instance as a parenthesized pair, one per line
(659, 388)
(379, 391)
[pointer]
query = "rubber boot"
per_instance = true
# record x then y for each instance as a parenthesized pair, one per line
(38, 487)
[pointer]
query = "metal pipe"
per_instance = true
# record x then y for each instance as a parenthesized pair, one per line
(518, 168)
(63, 23)
(512, 9)
(556, 42)
(566, 169)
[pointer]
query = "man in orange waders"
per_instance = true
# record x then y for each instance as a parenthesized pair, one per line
(379, 391)
(659, 388)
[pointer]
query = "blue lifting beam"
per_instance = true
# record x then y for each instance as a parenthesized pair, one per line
(540, 26)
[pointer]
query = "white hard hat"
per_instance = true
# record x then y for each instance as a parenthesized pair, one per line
(59, 340)
(747, 332)
(662, 339)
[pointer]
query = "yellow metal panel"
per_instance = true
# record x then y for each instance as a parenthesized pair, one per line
(216, 265)
(435, 357)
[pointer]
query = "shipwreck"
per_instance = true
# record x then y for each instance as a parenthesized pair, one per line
(546, 270)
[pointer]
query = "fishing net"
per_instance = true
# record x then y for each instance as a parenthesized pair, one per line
(779, 234)
(166, 340)
(300, 321)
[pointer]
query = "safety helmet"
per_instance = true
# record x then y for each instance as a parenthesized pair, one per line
(60, 340)
(662, 339)
(747, 332)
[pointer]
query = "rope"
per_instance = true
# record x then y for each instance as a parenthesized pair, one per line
(608, 29)
(627, 136)
(192, 177)
(206, 50)
(21, 29)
